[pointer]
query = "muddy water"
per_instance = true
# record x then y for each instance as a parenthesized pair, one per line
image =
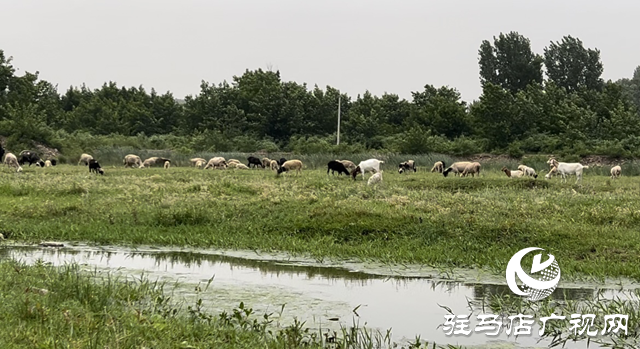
(404, 299)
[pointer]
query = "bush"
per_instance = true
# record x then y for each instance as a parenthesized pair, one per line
(515, 151)
(463, 146)
(612, 149)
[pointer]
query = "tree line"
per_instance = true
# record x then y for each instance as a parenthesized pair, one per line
(569, 110)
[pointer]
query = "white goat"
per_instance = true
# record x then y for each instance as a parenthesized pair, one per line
(371, 165)
(566, 168)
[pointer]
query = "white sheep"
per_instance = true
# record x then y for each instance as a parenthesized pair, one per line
(438, 167)
(273, 165)
(528, 171)
(149, 162)
(375, 179)
(155, 160)
(12, 161)
(291, 165)
(240, 166)
(371, 165)
(266, 163)
(472, 168)
(132, 160)
(457, 167)
(513, 174)
(167, 164)
(406, 166)
(616, 171)
(47, 163)
(84, 159)
(200, 164)
(566, 168)
(216, 162)
(194, 161)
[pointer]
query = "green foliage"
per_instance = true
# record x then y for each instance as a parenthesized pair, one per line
(574, 112)
(509, 62)
(573, 67)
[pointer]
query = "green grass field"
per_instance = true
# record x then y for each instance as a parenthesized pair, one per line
(592, 228)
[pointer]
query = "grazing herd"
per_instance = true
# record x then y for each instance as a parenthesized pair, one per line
(26, 156)
(346, 167)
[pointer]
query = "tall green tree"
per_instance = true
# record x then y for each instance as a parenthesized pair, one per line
(498, 119)
(572, 66)
(440, 110)
(509, 62)
(631, 88)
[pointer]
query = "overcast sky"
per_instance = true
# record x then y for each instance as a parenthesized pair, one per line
(381, 46)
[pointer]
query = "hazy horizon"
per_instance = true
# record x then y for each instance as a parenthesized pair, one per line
(353, 46)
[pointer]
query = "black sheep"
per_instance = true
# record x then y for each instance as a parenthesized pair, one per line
(29, 156)
(255, 161)
(94, 166)
(334, 166)
(1, 152)
(281, 161)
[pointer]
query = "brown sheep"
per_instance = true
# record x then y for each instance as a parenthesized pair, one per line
(348, 164)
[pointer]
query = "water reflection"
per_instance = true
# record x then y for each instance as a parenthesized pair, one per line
(409, 305)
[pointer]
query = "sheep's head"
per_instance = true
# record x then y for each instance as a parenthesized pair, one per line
(446, 172)
(355, 172)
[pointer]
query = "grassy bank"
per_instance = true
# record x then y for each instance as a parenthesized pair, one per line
(46, 307)
(418, 218)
